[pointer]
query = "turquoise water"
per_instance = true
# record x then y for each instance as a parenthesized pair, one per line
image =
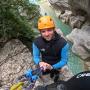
(74, 62)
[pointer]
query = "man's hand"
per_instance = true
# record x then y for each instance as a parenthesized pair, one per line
(45, 66)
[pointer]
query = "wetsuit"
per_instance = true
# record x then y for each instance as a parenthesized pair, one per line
(54, 52)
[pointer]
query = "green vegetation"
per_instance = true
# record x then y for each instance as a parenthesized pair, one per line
(18, 18)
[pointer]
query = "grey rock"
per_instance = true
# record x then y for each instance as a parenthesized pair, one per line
(81, 41)
(60, 4)
(15, 58)
(76, 21)
(80, 6)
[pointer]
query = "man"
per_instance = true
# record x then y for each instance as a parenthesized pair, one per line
(50, 50)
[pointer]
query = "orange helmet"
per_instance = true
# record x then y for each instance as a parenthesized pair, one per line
(45, 22)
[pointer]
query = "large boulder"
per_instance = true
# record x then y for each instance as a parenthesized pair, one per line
(15, 58)
(81, 41)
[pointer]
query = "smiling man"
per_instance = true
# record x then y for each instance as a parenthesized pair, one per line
(50, 50)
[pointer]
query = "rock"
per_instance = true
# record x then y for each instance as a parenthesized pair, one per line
(76, 21)
(65, 17)
(80, 7)
(60, 4)
(57, 12)
(87, 65)
(81, 41)
(79, 50)
(15, 58)
(59, 32)
(77, 13)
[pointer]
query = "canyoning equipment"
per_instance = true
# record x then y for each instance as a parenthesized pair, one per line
(34, 74)
(27, 81)
(23, 83)
(17, 86)
(45, 22)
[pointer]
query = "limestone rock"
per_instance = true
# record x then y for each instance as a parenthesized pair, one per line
(80, 7)
(60, 4)
(15, 58)
(81, 41)
(76, 21)
(65, 17)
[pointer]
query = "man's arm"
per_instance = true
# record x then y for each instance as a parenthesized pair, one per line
(64, 57)
(37, 59)
(36, 54)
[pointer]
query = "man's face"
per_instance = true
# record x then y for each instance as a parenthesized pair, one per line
(47, 34)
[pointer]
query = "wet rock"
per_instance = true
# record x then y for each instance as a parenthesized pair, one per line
(81, 41)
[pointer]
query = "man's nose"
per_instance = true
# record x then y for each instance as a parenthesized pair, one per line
(46, 33)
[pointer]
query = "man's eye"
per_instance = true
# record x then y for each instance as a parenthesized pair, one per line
(42, 31)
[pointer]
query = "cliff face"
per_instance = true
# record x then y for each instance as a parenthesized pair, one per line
(81, 42)
(80, 6)
(60, 4)
(77, 6)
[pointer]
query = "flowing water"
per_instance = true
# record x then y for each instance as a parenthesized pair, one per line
(75, 63)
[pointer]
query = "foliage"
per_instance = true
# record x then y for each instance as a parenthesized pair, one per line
(18, 18)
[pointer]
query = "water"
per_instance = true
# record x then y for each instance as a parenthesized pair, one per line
(75, 63)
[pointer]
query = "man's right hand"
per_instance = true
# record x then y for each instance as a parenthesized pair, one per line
(45, 66)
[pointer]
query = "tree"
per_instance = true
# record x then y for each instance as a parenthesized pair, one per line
(17, 19)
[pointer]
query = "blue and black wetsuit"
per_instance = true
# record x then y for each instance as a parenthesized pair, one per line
(54, 52)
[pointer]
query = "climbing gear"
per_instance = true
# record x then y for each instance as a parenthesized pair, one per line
(45, 22)
(23, 83)
(17, 86)
(27, 81)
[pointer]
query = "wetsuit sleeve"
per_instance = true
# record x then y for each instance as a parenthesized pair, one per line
(64, 57)
(36, 54)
